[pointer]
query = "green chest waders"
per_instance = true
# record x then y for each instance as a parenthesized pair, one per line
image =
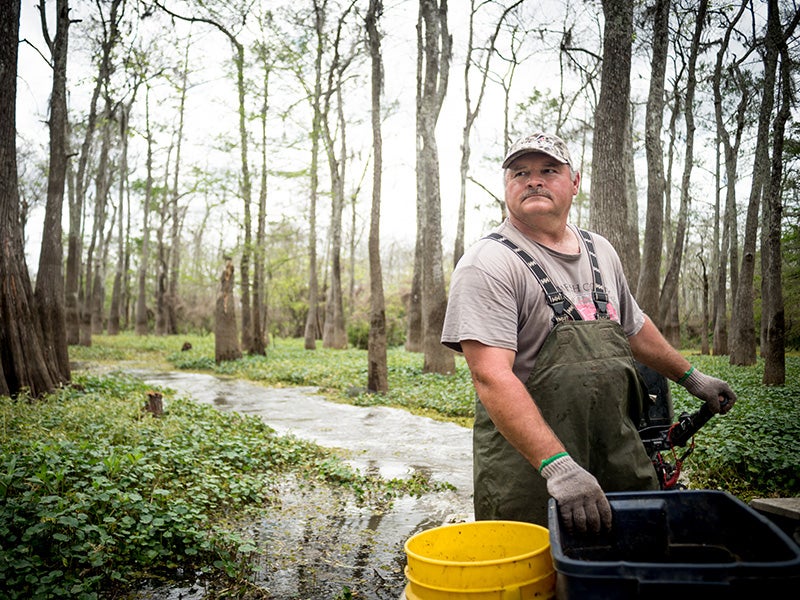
(590, 393)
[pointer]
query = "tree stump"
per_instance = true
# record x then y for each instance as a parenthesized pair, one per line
(154, 404)
(226, 334)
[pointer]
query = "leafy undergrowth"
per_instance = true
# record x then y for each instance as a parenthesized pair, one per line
(96, 493)
(754, 451)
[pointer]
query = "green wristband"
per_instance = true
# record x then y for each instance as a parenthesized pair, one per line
(555, 457)
(685, 376)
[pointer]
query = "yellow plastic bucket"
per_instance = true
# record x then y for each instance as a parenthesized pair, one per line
(482, 560)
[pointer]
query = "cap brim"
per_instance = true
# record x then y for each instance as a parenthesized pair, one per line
(514, 156)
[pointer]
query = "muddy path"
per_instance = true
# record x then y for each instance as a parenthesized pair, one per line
(320, 544)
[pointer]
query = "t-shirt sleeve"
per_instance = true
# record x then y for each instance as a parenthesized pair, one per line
(480, 307)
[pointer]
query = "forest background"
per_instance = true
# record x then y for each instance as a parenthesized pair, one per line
(183, 165)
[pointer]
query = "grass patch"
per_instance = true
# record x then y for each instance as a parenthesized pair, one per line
(96, 493)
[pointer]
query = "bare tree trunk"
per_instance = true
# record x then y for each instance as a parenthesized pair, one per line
(74, 244)
(141, 326)
(609, 183)
(117, 301)
(772, 308)
(704, 329)
(355, 237)
(247, 193)
(436, 48)
(414, 308)
(631, 203)
(728, 249)
(669, 230)
(377, 364)
(260, 335)
(176, 216)
(311, 329)
(23, 359)
(95, 260)
(668, 315)
(650, 273)
(162, 252)
(415, 327)
(100, 276)
(49, 294)
(334, 333)
(127, 291)
(743, 334)
(226, 339)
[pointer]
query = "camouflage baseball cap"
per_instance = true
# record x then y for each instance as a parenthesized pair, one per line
(539, 141)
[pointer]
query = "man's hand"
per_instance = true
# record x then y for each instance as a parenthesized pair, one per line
(716, 393)
(581, 502)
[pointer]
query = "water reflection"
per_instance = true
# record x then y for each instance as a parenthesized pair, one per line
(322, 541)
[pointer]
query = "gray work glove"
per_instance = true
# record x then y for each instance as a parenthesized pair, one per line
(716, 393)
(581, 502)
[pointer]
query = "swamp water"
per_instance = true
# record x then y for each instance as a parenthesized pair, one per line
(320, 543)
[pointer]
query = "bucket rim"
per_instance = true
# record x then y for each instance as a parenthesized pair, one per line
(489, 562)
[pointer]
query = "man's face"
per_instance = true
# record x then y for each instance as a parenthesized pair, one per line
(539, 186)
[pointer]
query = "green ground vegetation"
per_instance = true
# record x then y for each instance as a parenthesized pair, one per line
(95, 492)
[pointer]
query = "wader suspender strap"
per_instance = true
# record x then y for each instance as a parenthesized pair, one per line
(599, 294)
(563, 309)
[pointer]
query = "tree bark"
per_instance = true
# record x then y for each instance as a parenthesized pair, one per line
(704, 325)
(668, 301)
(312, 329)
(24, 362)
(162, 252)
(650, 273)
(436, 49)
(92, 312)
(49, 294)
(377, 364)
(226, 339)
(142, 326)
(728, 248)
(334, 333)
(260, 334)
(247, 198)
(609, 183)
(117, 291)
(772, 307)
(73, 301)
(743, 331)
(176, 213)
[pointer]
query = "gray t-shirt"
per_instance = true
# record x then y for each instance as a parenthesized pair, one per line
(496, 300)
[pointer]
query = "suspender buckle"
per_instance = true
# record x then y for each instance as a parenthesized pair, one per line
(601, 303)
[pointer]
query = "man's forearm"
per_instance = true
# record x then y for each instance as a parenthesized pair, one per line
(518, 418)
(652, 349)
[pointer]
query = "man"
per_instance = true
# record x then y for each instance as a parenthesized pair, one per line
(549, 328)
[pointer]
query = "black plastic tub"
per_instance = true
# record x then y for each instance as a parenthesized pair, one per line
(679, 545)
